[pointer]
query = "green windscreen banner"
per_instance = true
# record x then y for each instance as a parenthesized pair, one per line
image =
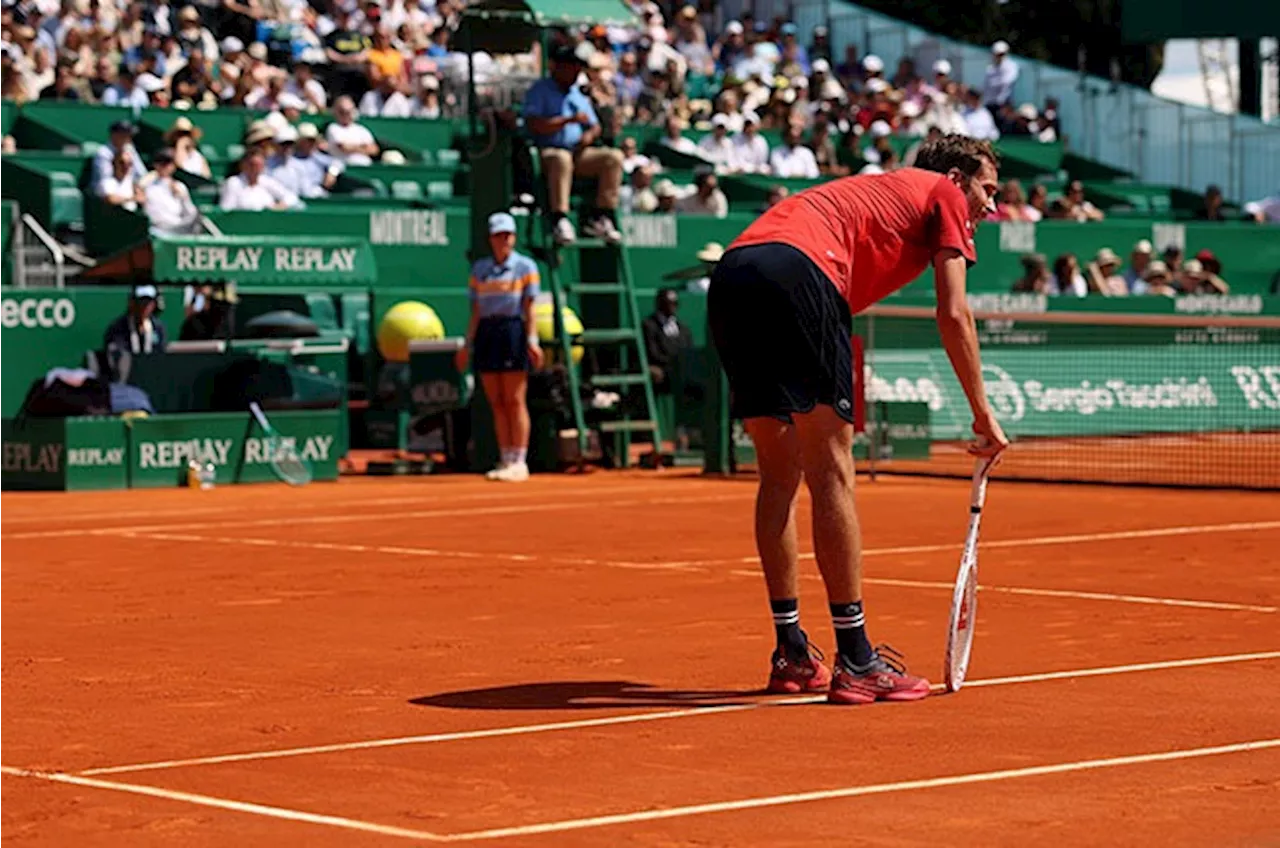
(1095, 391)
(57, 454)
(279, 260)
(161, 447)
(301, 261)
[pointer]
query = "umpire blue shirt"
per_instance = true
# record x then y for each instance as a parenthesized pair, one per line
(545, 100)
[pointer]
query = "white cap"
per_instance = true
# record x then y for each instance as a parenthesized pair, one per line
(429, 82)
(308, 131)
(258, 51)
(1028, 111)
(910, 109)
(876, 85)
(872, 64)
(501, 222)
(1144, 246)
(733, 28)
(942, 66)
(231, 44)
(274, 121)
(392, 157)
(289, 100)
(1193, 266)
(666, 188)
(821, 66)
(584, 52)
(286, 134)
(719, 119)
(880, 129)
(1000, 47)
(750, 118)
(150, 83)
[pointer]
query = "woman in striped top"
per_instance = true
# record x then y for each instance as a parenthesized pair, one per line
(502, 339)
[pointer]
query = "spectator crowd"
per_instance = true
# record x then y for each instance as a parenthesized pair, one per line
(1166, 275)
(318, 66)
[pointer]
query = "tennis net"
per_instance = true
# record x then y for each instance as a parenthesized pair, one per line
(1172, 400)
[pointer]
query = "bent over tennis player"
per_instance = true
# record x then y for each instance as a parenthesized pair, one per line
(796, 276)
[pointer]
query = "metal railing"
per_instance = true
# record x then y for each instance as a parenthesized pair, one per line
(56, 254)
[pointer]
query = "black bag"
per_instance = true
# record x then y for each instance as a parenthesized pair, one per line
(248, 380)
(63, 400)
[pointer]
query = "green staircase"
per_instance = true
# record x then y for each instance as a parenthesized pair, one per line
(597, 276)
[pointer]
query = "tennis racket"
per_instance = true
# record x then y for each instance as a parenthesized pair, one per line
(284, 460)
(964, 600)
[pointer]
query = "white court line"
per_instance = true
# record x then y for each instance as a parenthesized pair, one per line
(1050, 593)
(290, 521)
(1071, 593)
(399, 550)
(228, 804)
(653, 815)
(855, 791)
(423, 495)
(688, 566)
(1154, 532)
(520, 730)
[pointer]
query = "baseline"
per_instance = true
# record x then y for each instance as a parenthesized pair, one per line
(649, 815)
(631, 718)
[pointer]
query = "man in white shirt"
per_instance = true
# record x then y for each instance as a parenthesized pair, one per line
(750, 150)
(120, 187)
(632, 158)
(978, 121)
(125, 92)
(305, 85)
(386, 100)
(717, 148)
(349, 141)
(121, 141)
(428, 103)
(165, 199)
(793, 160)
(252, 190)
(1002, 73)
(675, 139)
(707, 198)
(1264, 211)
(638, 198)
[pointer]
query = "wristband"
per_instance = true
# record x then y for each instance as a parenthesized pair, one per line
(533, 341)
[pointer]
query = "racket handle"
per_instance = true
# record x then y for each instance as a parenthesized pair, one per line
(981, 474)
(257, 413)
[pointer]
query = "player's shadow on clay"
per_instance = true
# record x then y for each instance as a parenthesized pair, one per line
(583, 695)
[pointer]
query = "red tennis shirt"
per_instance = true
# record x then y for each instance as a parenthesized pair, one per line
(873, 234)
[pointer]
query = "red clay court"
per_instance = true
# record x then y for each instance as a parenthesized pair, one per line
(577, 661)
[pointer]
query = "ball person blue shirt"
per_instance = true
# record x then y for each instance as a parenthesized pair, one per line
(499, 289)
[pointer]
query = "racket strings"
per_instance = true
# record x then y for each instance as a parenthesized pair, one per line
(292, 468)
